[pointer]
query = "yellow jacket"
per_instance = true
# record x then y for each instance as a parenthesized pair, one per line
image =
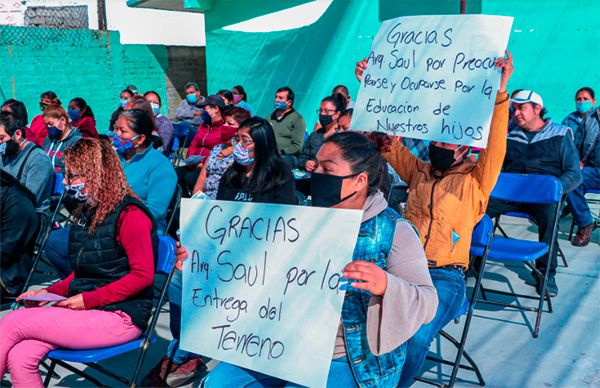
(445, 210)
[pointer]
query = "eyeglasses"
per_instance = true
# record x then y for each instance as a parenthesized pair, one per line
(326, 111)
(244, 142)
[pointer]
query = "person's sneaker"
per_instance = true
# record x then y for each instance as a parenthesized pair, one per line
(186, 372)
(551, 286)
(583, 236)
(157, 377)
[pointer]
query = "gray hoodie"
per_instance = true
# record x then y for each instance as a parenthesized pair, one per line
(410, 299)
(55, 148)
(37, 173)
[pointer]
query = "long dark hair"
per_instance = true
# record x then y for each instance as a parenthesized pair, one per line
(84, 108)
(270, 170)
(362, 155)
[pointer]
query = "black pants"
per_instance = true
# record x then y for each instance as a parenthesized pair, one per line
(187, 177)
(544, 218)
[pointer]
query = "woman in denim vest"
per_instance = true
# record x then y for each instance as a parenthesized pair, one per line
(391, 293)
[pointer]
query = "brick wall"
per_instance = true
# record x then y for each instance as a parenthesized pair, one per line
(90, 64)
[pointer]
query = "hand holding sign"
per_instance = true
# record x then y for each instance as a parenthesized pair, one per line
(373, 278)
(506, 67)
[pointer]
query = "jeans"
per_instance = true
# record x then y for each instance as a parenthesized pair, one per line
(544, 218)
(57, 251)
(228, 375)
(177, 355)
(576, 199)
(450, 286)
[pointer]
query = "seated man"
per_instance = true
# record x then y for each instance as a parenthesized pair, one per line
(447, 198)
(188, 113)
(24, 160)
(288, 124)
(18, 230)
(586, 141)
(539, 146)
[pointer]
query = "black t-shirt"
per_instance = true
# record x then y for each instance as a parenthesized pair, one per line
(283, 194)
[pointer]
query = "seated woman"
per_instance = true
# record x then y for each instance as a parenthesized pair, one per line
(258, 174)
(163, 125)
(240, 99)
(207, 137)
(82, 117)
(109, 294)
(329, 113)
(221, 156)
(148, 172)
(37, 130)
(125, 95)
(140, 102)
(388, 260)
(61, 135)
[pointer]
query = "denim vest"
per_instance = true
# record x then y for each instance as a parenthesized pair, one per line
(374, 244)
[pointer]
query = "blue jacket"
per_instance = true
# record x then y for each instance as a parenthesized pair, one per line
(587, 141)
(374, 244)
(572, 121)
(153, 179)
(549, 151)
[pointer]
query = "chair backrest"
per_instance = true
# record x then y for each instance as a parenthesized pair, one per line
(166, 254)
(527, 188)
(482, 231)
(43, 230)
(58, 187)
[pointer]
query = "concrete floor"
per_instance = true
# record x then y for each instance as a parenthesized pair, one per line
(566, 353)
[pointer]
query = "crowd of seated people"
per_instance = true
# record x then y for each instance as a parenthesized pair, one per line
(120, 185)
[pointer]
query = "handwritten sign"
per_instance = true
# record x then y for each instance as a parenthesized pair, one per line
(261, 287)
(433, 78)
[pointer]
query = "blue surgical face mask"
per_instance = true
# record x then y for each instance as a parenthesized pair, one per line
(192, 98)
(241, 155)
(121, 145)
(584, 106)
(155, 108)
(74, 114)
(280, 105)
(122, 103)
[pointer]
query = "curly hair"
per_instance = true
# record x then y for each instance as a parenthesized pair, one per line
(100, 168)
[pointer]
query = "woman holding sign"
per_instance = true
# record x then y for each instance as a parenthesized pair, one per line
(391, 293)
(107, 300)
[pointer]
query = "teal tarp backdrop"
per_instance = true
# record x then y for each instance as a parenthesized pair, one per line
(555, 44)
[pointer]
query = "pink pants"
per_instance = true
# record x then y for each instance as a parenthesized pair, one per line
(27, 334)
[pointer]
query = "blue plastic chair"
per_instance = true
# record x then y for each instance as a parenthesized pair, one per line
(480, 243)
(165, 265)
(534, 189)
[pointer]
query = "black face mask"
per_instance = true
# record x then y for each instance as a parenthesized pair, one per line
(325, 120)
(441, 158)
(326, 190)
(9, 148)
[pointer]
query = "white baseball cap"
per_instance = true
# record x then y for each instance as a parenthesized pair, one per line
(527, 96)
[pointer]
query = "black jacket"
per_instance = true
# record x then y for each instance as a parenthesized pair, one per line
(18, 231)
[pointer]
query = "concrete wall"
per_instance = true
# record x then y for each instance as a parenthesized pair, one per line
(90, 64)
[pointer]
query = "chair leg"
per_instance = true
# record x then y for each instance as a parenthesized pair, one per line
(563, 257)
(49, 373)
(571, 230)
